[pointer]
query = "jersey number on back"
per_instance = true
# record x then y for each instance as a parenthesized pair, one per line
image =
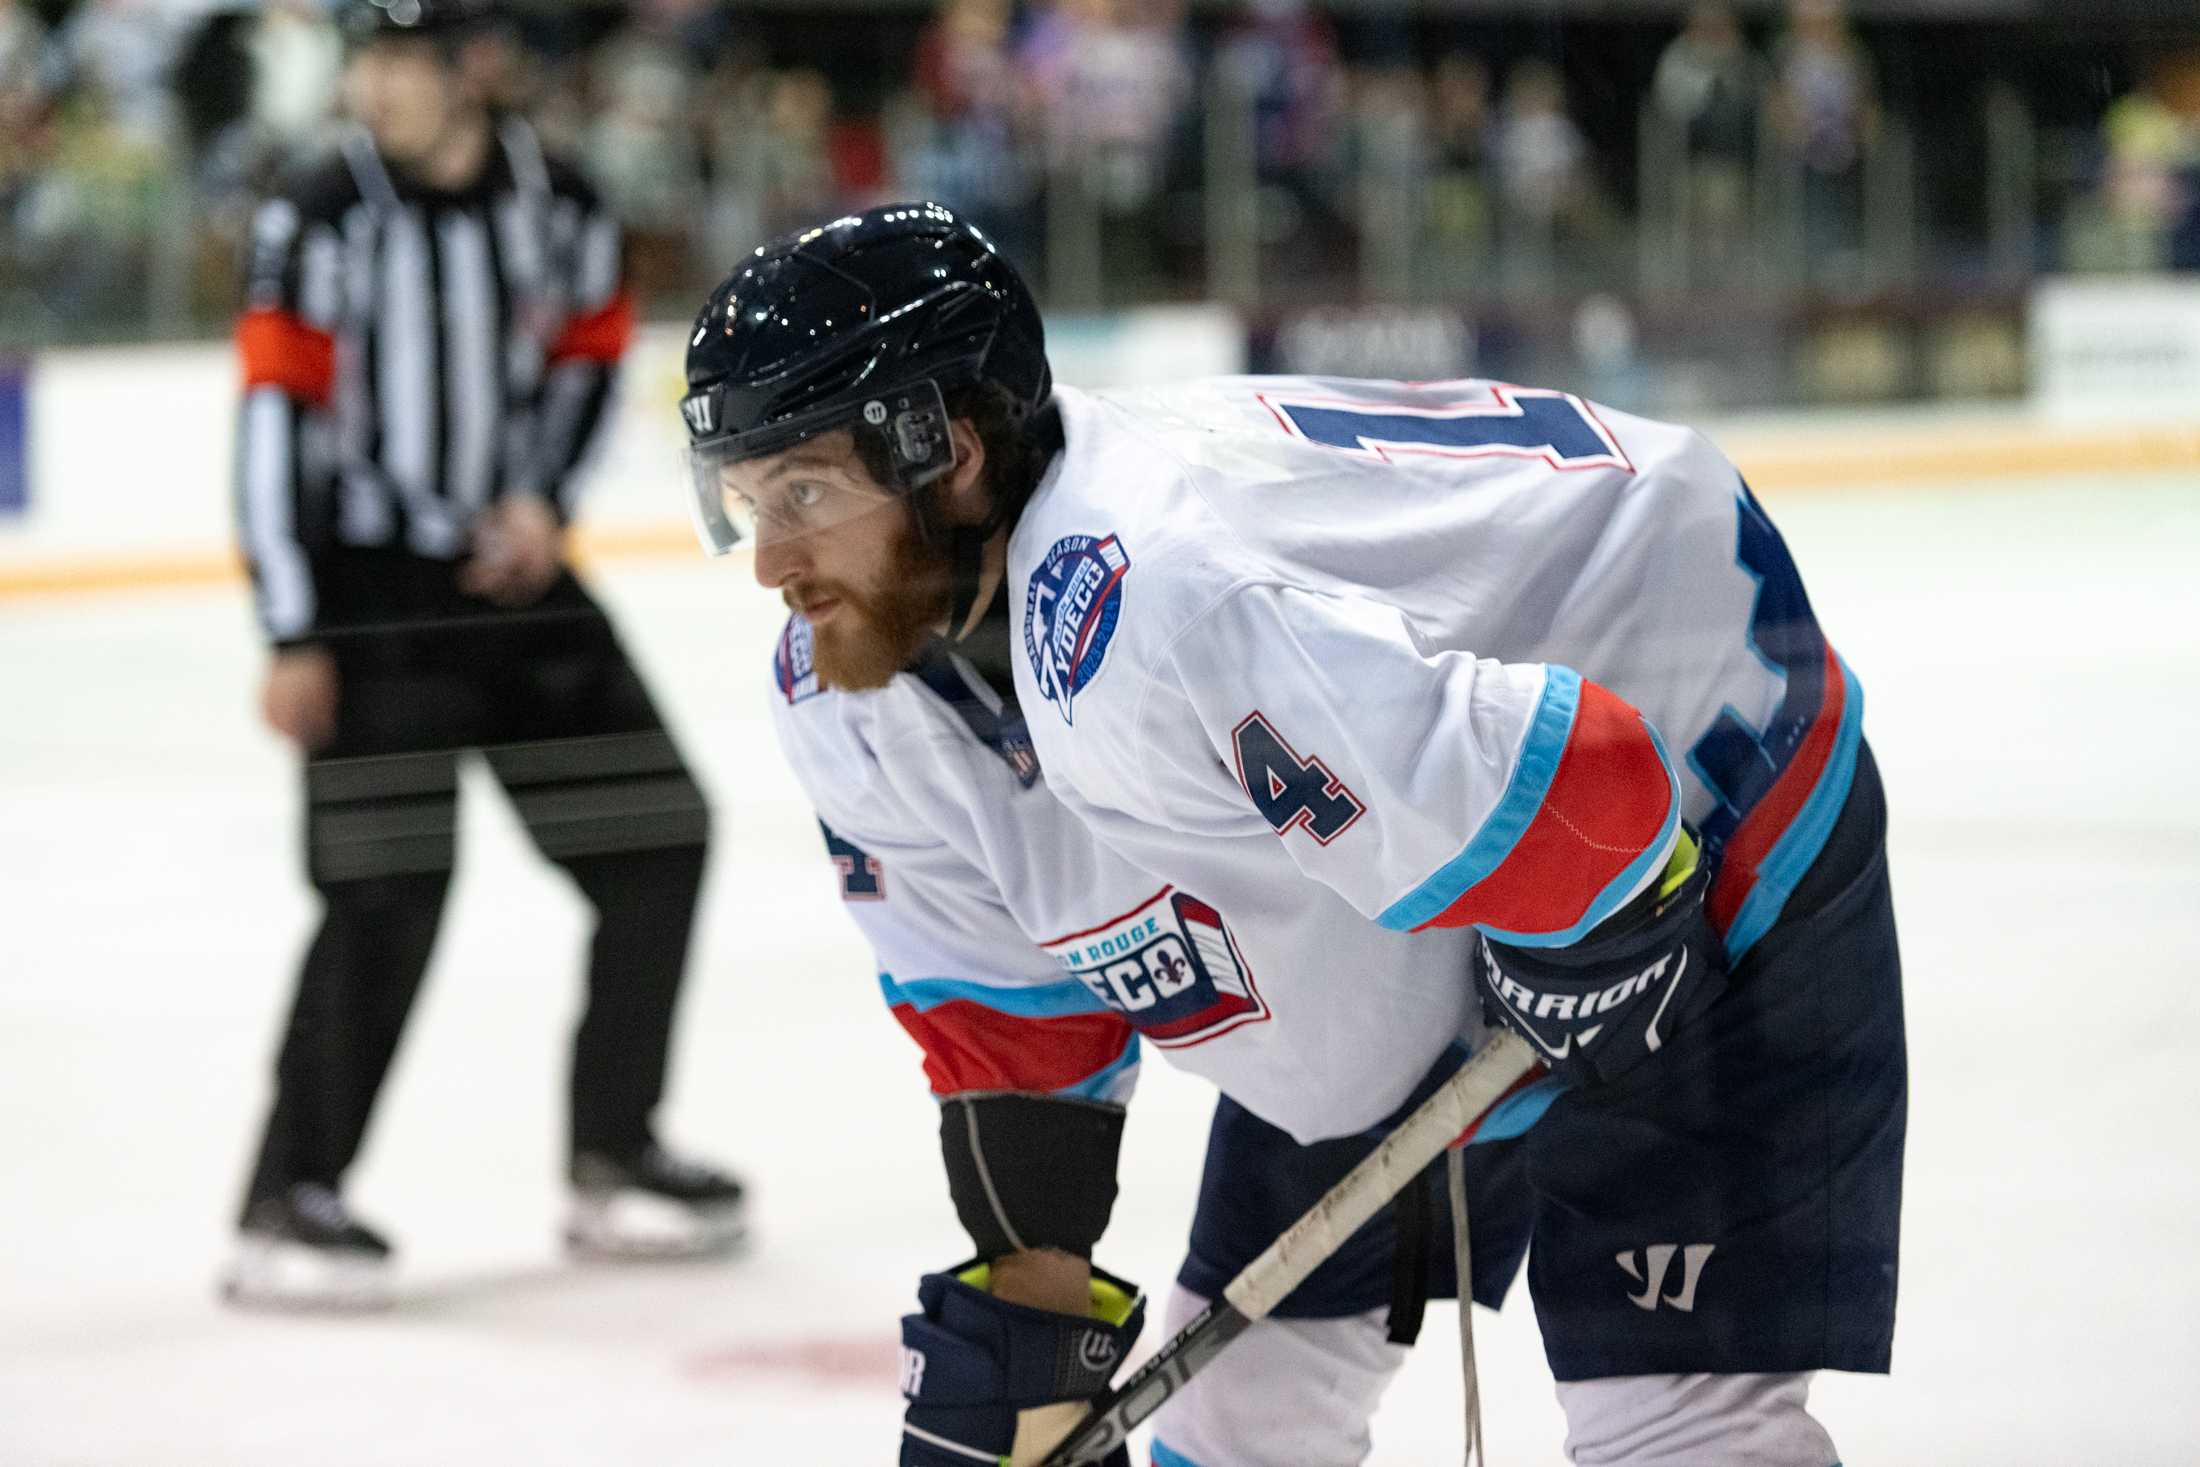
(1517, 422)
(1289, 791)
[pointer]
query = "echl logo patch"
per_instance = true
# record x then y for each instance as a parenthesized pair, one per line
(1070, 611)
(793, 668)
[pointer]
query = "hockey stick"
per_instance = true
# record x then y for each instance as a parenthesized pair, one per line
(1500, 1068)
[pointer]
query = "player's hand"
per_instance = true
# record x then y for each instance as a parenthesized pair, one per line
(1607, 1003)
(519, 547)
(298, 698)
(978, 1370)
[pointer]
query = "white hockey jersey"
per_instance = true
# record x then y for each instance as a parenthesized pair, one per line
(1461, 653)
(1022, 954)
(1381, 637)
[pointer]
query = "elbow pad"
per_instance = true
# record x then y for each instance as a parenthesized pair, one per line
(1597, 1009)
(1031, 1171)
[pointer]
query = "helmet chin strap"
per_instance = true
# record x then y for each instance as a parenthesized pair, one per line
(965, 547)
(985, 645)
(965, 544)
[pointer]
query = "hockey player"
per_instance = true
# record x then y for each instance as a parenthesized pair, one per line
(433, 322)
(1413, 701)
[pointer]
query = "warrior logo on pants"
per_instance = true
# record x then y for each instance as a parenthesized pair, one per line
(1693, 1258)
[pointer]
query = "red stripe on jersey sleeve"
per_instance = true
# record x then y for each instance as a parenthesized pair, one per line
(1606, 805)
(1771, 816)
(280, 349)
(968, 1046)
(599, 336)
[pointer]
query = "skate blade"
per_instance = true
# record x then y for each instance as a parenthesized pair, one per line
(635, 1227)
(281, 1276)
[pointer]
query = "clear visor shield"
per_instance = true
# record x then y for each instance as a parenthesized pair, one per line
(741, 495)
(806, 490)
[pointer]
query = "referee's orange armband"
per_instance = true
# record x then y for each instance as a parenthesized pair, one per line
(279, 349)
(599, 336)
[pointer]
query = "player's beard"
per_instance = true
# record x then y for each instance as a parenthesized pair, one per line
(875, 632)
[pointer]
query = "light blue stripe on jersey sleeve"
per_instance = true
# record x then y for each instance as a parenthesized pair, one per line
(1791, 855)
(1637, 874)
(1163, 1457)
(1112, 1083)
(1513, 1115)
(1034, 1001)
(1548, 729)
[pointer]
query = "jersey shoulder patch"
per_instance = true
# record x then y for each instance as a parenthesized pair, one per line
(1071, 607)
(794, 666)
(1171, 966)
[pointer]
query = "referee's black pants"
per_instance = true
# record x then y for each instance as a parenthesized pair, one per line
(551, 701)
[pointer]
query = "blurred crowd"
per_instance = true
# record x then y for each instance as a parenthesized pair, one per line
(1124, 149)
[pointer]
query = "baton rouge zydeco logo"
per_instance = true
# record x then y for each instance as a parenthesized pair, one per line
(1070, 611)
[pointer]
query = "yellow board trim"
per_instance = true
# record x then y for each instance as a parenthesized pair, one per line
(1792, 464)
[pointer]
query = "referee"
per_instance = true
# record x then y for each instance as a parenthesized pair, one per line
(432, 323)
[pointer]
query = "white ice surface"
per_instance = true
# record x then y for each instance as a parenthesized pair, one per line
(2029, 658)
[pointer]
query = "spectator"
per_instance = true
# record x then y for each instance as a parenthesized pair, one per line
(1390, 169)
(646, 144)
(645, 140)
(1283, 58)
(2150, 179)
(735, 93)
(26, 89)
(2180, 89)
(961, 138)
(296, 61)
(794, 172)
(1823, 96)
(1710, 86)
(229, 159)
(1461, 136)
(963, 65)
(778, 162)
(640, 145)
(85, 220)
(26, 70)
(1543, 165)
(121, 50)
(1111, 107)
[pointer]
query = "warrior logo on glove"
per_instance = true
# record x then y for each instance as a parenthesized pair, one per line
(1588, 1007)
(1096, 1352)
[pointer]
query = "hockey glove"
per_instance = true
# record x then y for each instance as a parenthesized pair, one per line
(971, 1363)
(1600, 1007)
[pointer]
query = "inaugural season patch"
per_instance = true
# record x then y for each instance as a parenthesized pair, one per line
(1070, 611)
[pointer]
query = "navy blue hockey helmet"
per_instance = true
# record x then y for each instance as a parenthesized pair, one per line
(867, 323)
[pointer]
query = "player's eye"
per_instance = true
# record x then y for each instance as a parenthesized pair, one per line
(787, 508)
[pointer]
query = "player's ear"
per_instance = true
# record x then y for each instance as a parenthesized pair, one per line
(966, 490)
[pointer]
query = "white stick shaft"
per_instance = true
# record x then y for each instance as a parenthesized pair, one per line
(1381, 1175)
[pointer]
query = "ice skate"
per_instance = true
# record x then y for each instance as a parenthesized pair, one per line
(306, 1251)
(653, 1205)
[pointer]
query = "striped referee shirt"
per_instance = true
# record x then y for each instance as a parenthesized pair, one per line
(412, 356)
